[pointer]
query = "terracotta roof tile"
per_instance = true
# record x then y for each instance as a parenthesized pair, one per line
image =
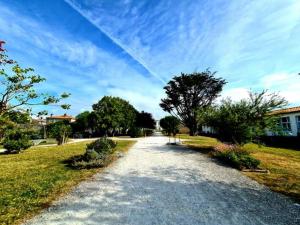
(60, 117)
(284, 111)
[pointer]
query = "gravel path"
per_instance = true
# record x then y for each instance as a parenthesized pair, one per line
(160, 184)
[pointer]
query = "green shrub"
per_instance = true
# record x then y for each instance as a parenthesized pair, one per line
(98, 154)
(249, 162)
(16, 141)
(80, 162)
(235, 156)
(135, 132)
(102, 145)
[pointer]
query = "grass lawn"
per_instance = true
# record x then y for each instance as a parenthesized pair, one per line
(29, 181)
(283, 164)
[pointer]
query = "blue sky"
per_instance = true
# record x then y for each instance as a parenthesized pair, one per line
(131, 48)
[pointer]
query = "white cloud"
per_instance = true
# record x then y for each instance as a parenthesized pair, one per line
(77, 66)
(286, 84)
(146, 101)
(235, 94)
(243, 40)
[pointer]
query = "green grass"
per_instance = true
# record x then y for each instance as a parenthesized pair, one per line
(198, 143)
(283, 164)
(31, 180)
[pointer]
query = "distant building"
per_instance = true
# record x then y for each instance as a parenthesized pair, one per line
(289, 120)
(38, 121)
(53, 118)
(157, 126)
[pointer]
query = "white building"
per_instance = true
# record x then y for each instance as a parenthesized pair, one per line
(157, 126)
(53, 119)
(289, 120)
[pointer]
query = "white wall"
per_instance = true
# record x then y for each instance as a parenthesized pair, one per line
(207, 129)
(293, 121)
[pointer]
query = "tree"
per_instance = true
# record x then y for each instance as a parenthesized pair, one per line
(243, 121)
(145, 123)
(19, 117)
(189, 92)
(17, 97)
(60, 131)
(129, 116)
(18, 87)
(93, 122)
(145, 120)
(82, 123)
(170, 124)
(114, 114)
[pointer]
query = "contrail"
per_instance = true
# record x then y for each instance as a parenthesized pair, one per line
(115, 41)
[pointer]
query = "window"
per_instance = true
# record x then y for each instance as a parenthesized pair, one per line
(298, 123)
(286, 123)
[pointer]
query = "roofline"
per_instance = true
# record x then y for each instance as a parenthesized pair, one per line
(290, 110)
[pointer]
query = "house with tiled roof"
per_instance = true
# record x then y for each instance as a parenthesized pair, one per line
(57, 118)
(289, 119)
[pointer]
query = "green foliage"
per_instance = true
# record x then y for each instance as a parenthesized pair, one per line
(83, 123)
(170, 125)
(236, 157)
(188, 93)
(11, 119)
(102, 145)
(18, 87)
(5, 124)
(243, 121)
(98, 154)
(145, 120)
(16, 141)
(135, 132)
(114, 114)
(19, 117)
(80, 163)
(60, 131)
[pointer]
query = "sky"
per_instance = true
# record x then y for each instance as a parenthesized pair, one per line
(132, 48)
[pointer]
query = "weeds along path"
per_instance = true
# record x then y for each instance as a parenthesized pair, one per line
(157, 183)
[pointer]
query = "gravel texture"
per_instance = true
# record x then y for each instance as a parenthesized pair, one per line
(155, 183)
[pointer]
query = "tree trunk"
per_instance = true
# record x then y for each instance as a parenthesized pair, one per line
(193, 130)
(192, 133)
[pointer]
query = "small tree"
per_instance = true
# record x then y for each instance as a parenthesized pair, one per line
(60, 131)
(188, 93)
(243, 121)
(18, 89)
(170, 125)
(19, 86)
